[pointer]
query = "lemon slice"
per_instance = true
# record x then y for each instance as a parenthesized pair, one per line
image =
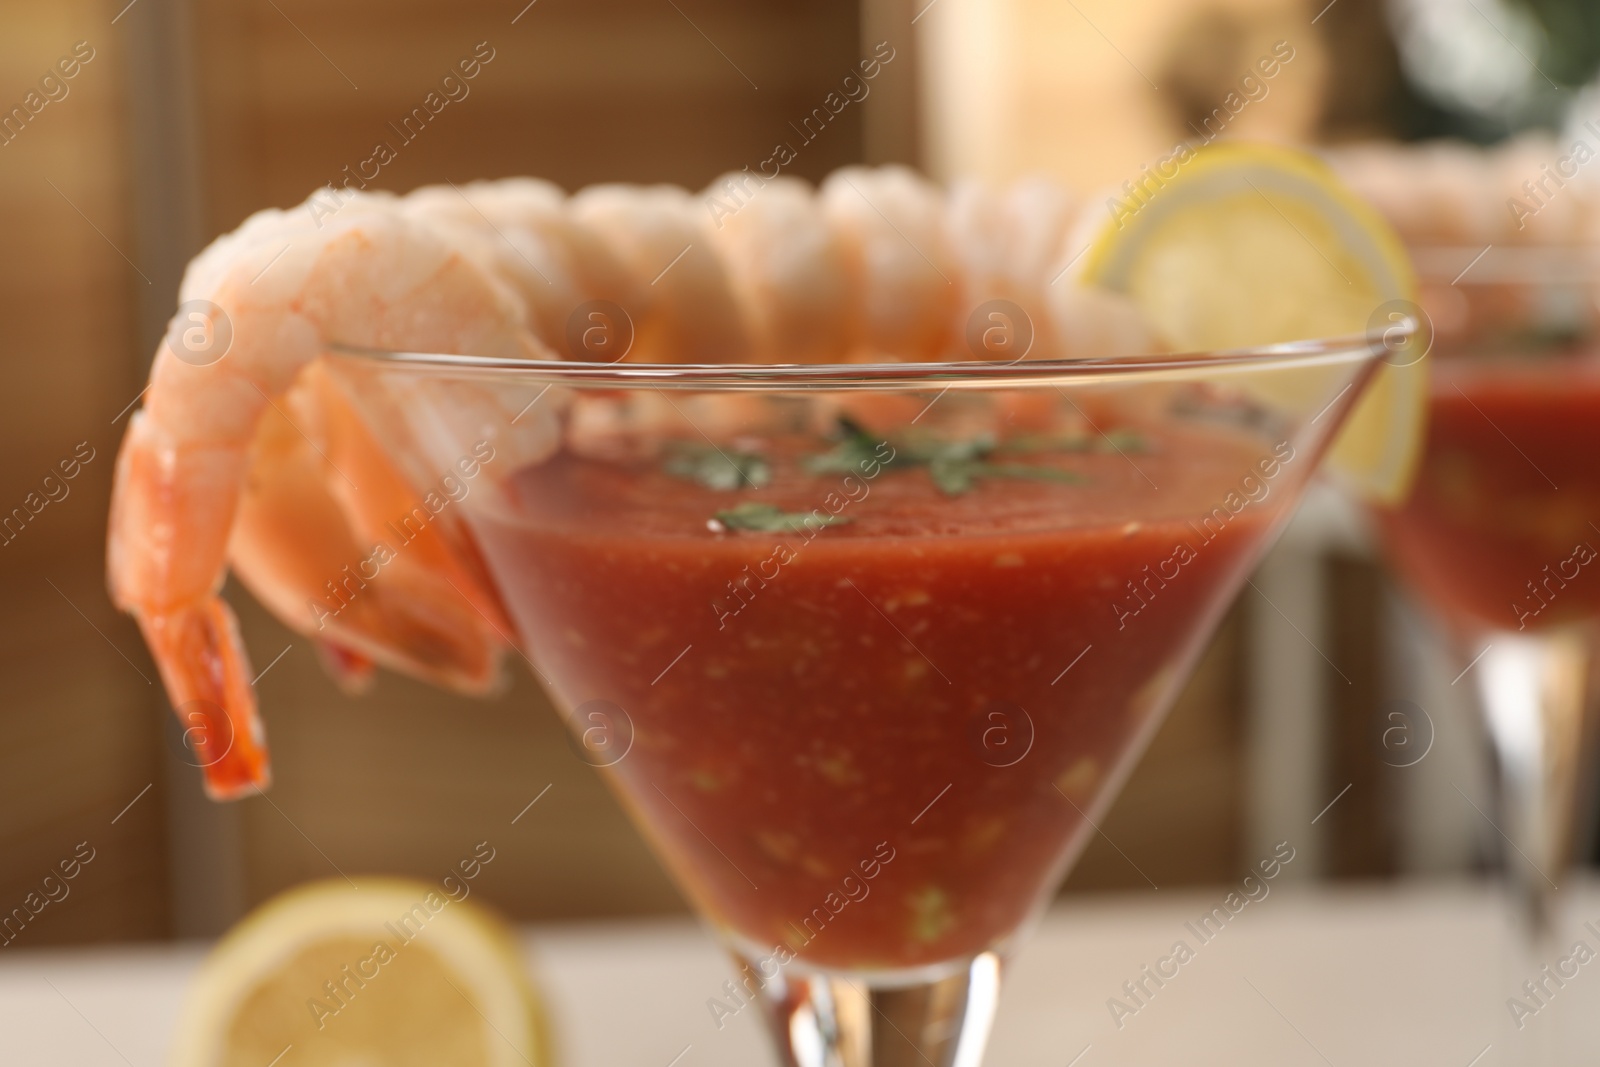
(1253, 245)
(393, 973)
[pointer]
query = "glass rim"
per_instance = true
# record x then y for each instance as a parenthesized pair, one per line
(1539, 264)
(971, 373)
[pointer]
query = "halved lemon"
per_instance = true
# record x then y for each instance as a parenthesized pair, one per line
(1251, 245)
(394, 972)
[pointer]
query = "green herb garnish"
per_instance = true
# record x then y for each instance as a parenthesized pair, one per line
(716, 469)
(1125, 441)
(930, 451)
(855, 451)
(955, 476)
(931, 913)
(955, 466)
(769, 518)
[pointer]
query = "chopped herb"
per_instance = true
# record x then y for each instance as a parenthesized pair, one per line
(1126, 441)
(930, 451)
(856, 449)
(955, 466)
(931, 914)
(1123, 440)
(956, 476)
(952, 476)
(769, 518)
(716, 469)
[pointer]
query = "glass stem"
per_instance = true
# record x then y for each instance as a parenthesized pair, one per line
(834, 1020)
(1536, 691)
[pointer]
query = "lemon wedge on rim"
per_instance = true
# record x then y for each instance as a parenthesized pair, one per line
(393, 972)
(1251, 245)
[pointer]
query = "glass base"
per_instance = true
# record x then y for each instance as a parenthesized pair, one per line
(834, 1020)
(1538, 697)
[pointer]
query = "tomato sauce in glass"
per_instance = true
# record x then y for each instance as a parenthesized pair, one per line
(1503, 523)
(876, 745)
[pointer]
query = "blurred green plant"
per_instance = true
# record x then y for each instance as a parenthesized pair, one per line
(1571, 52)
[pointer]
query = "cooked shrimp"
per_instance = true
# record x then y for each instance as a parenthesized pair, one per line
(523, 230)
(787, 268)
(891, 224)
(1421, 189)
(1552, 207)
(367, 277)
(375, 574)
(1006, 242)
(1096, 323)
(1447, 193)
(688, 313)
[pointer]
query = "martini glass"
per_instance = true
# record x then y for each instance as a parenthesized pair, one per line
(866, 650)
(1499, 535)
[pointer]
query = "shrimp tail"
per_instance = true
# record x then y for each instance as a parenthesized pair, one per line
(350, 670)
(207, 674)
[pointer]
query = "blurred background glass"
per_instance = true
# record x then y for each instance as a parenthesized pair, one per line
(179, 119)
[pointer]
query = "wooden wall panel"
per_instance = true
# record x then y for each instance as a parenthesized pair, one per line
(1364, 835)
(617, 90)
(77, 718)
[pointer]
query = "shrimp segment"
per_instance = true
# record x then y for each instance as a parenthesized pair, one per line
(522, 230)
(1449, 193)
(371, 575)
(1006, 241)
(195, 642)
(687, 312)
(892, 227)
(788, 269)
(369, 278)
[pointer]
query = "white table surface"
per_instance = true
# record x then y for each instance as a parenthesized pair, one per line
(1411, 976)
